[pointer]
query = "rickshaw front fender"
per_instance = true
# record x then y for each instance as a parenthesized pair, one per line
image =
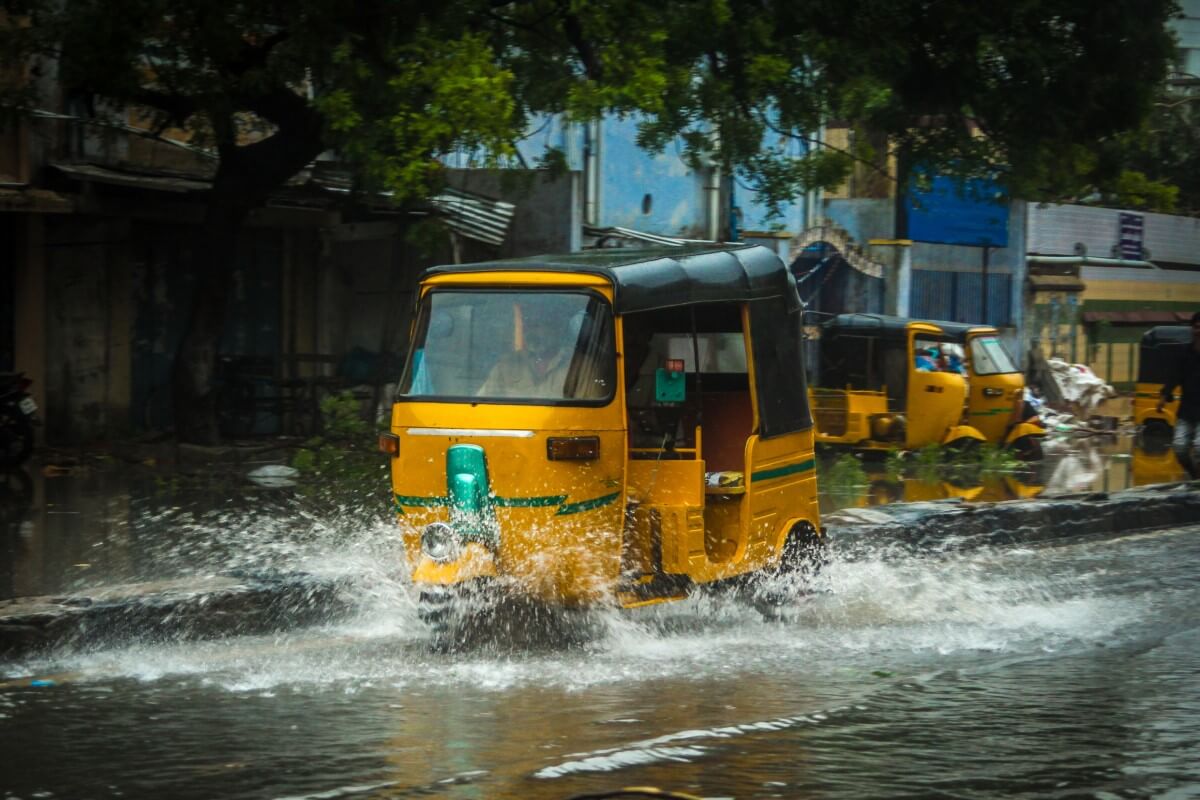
(958, 432)
(475, 561)
(1023, 429)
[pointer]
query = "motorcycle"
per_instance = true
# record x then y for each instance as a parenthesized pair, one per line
(18, 415)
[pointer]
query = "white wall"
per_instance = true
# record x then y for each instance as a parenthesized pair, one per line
(1055, 229)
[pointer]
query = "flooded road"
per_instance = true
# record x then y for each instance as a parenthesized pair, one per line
(1071, 670)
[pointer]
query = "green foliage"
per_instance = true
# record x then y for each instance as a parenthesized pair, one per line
(991, 458)
(894, 464)
(1039, 93)
(931, 455)
(341, 466)
(840, 481)
(844, 475)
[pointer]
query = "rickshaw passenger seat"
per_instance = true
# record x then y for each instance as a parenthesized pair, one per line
(727, 423)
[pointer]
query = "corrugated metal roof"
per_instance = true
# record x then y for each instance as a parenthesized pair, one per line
(1057, 229)
(163, 183)
(475, 216)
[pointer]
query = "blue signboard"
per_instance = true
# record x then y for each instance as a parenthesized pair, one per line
(953, 211)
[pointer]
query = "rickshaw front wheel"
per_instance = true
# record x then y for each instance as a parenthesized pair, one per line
(454, 614)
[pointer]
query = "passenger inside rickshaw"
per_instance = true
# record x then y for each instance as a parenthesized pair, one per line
(499, 346)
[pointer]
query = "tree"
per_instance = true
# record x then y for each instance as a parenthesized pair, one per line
(270, 86)
(1028, 90)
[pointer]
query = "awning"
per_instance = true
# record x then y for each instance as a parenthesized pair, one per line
(37, 201)
(1138, 317)
(1056, 283)
(475, 216)
(162, 183)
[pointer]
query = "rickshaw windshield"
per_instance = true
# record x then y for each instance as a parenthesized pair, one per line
(988, 357)
(506, 346)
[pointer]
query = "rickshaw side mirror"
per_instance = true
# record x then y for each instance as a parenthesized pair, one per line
(669, 385)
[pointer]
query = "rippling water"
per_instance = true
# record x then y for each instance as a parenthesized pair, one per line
(1038, 672)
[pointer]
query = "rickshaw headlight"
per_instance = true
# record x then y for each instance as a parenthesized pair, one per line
(440, 542)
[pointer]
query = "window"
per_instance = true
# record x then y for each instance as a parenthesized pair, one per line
(485, 346)
(988, 357)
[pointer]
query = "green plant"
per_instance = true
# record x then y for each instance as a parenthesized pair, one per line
(341, 465)
(894, 464)
(928, 462)
(844, 474)
(992, 458)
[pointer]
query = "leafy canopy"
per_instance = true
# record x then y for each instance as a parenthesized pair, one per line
(1039, 92)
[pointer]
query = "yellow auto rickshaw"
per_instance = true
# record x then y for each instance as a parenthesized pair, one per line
(880, 387)
(617, 426)
(995, 388)
(1158, 354)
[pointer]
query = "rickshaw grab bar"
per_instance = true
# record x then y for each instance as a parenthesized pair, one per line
(504, 433)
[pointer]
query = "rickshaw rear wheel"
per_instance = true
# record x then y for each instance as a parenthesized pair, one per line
(1154, 434)
(962, 447)
(803, 556)
(804, 551)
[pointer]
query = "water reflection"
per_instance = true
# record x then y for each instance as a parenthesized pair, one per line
(73, 530)
(1071, 466)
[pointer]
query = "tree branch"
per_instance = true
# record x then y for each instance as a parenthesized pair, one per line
(573, 30)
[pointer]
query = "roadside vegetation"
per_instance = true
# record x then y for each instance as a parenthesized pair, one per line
(933, 472)
(341, 467)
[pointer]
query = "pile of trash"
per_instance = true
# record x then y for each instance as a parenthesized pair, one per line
(1079, 387)
(1069, 396)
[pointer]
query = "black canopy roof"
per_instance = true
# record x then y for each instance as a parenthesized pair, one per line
(663, 277)
(891, 326)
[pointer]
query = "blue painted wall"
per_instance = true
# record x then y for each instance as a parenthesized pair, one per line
(753, 212)
(630, 175)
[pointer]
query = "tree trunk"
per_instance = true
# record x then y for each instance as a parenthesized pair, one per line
(246, 175)
(213, 260)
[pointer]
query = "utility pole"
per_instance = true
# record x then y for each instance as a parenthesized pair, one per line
(983, 289)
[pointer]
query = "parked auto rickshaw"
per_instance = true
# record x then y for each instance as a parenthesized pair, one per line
(995, 390)
(1155, 462)
(613, 426)
(880, 389)
(1158, 353)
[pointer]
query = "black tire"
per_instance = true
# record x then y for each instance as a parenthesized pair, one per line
(16, 437)
(804, 551)
(1154, 436)
(1027, 448)
(804, 554)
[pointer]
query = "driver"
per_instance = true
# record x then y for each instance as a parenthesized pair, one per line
(539, 369)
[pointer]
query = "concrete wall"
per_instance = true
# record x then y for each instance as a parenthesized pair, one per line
(548, 215)
(88, 328)
(1058, 229)
(1110, 348)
